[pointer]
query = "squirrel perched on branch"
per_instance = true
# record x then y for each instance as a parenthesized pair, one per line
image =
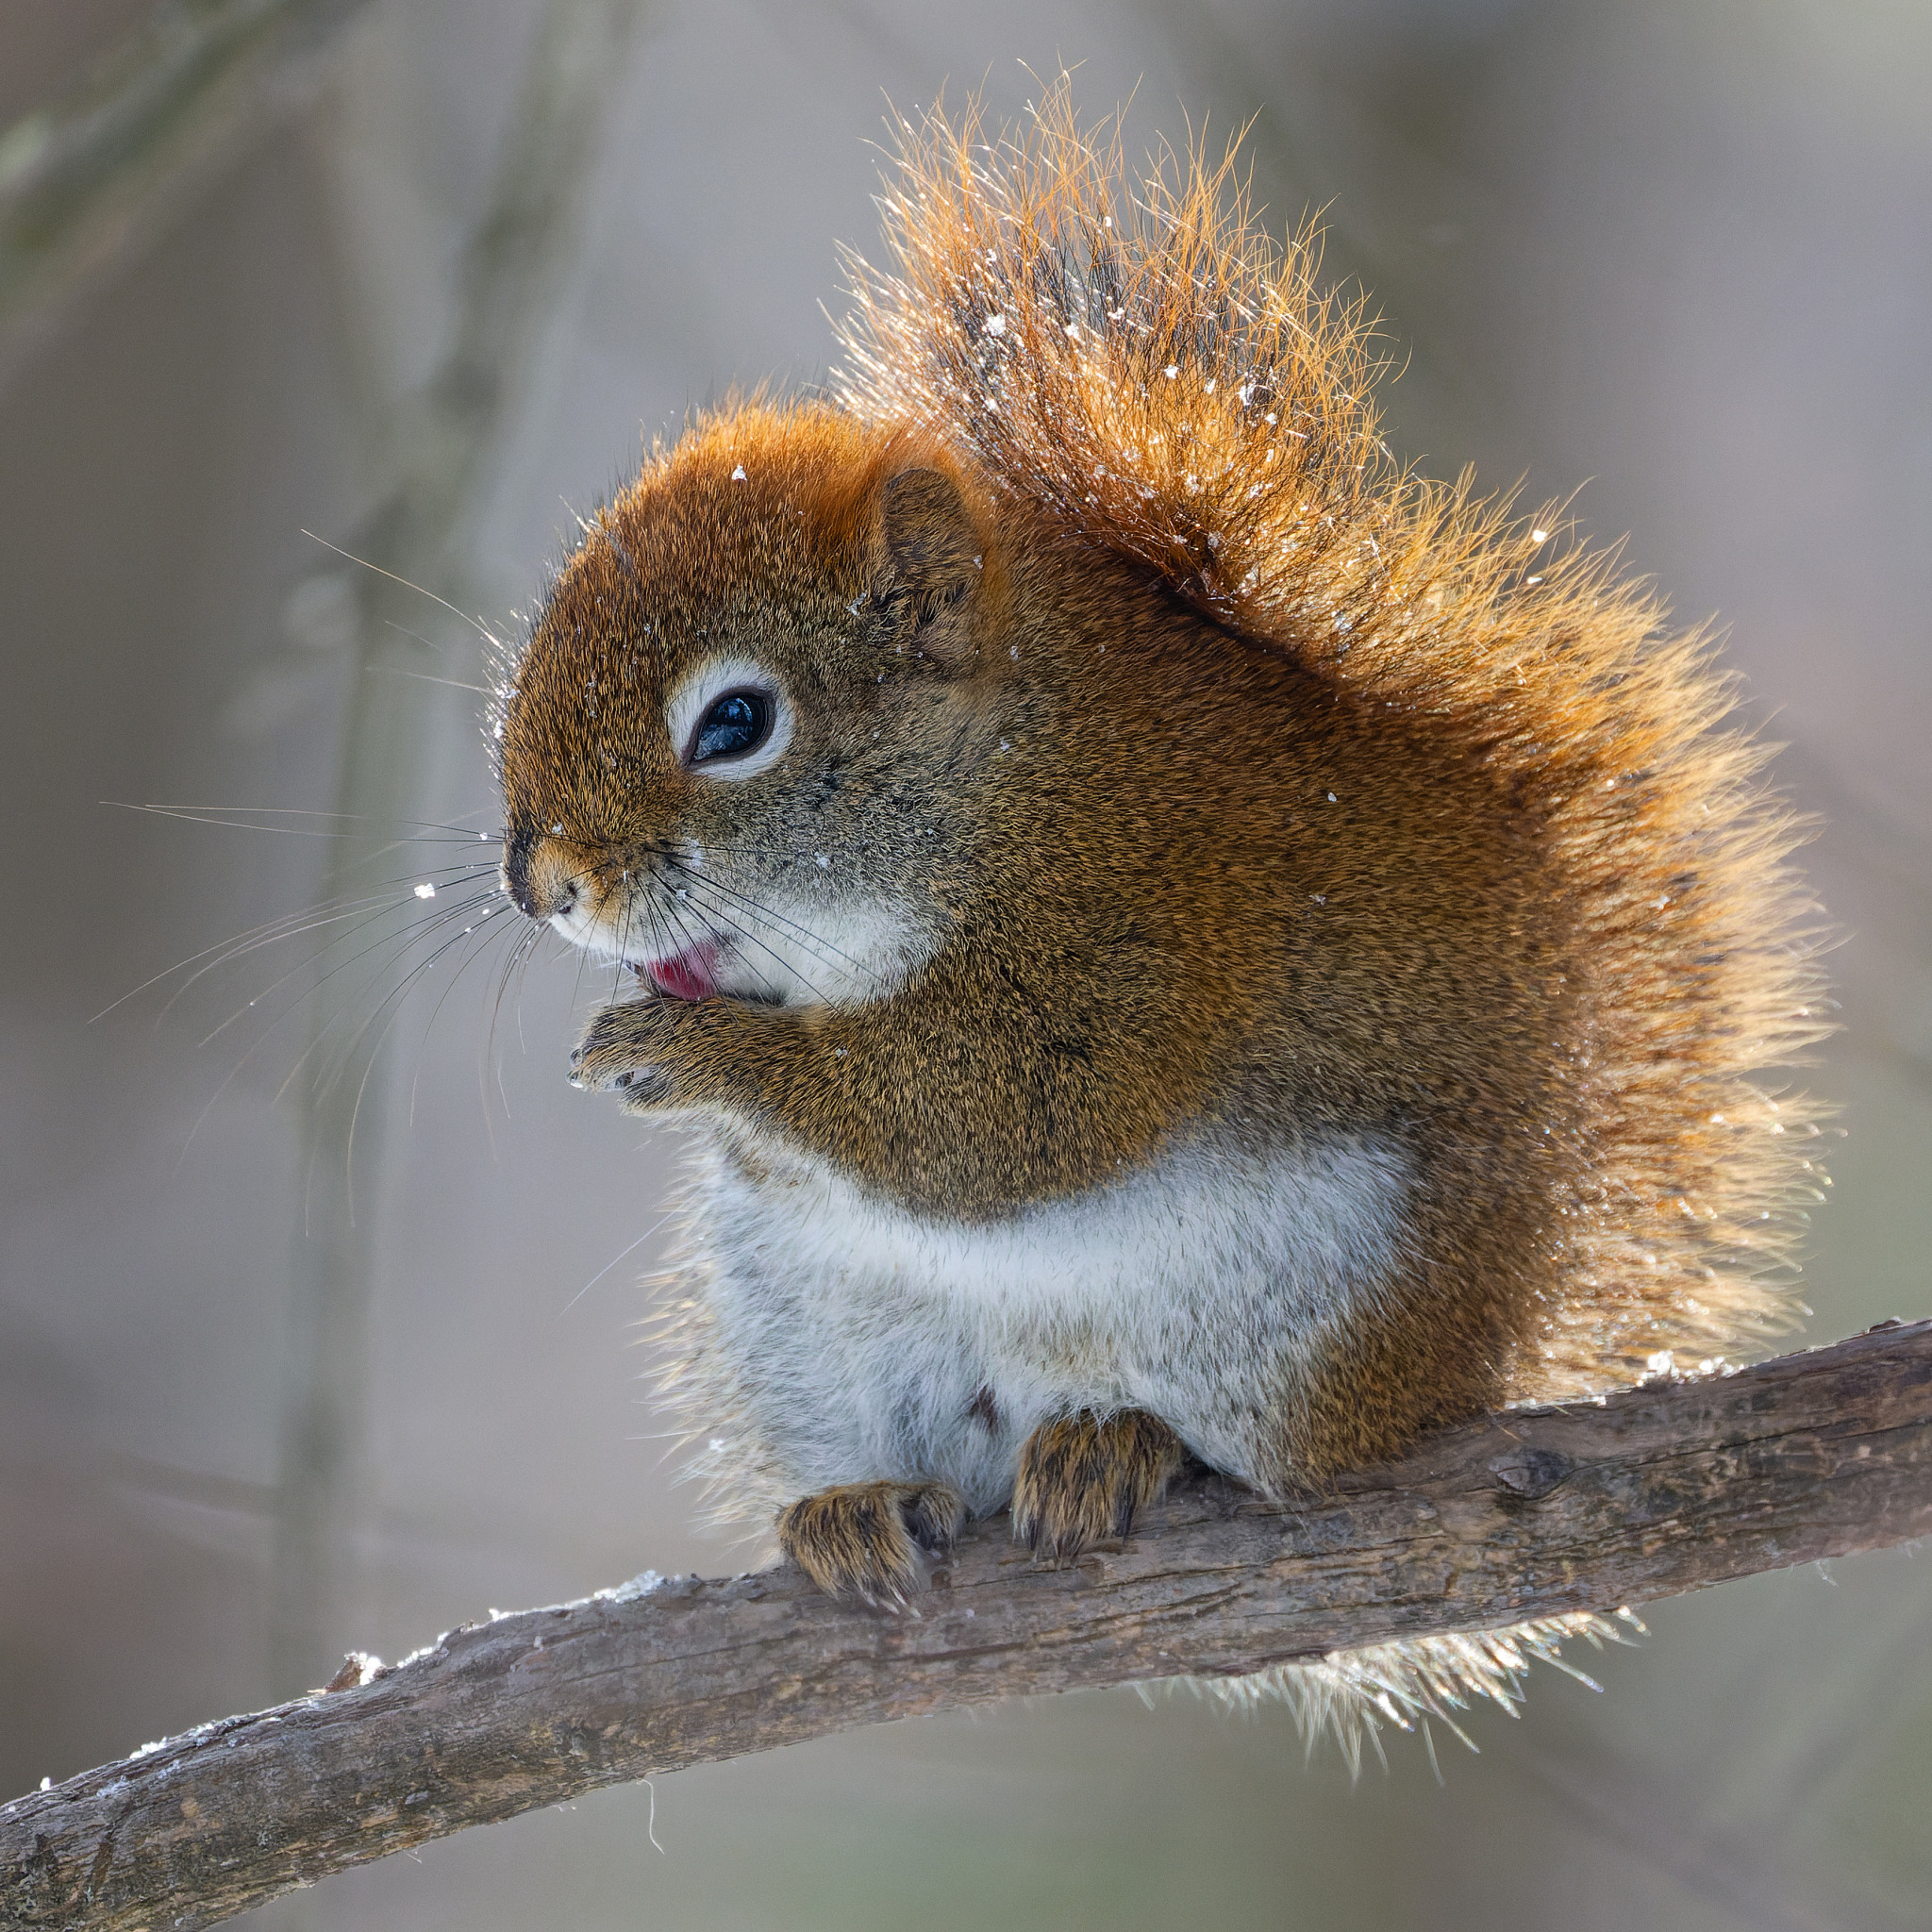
(1178, 936)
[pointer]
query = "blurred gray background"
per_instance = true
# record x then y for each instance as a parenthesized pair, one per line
(416, 275)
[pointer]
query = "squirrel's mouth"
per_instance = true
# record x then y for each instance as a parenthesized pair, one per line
(688, 975)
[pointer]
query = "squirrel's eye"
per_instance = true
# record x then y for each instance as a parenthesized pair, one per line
(737, 722)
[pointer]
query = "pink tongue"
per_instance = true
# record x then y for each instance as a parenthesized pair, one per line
(687, 976)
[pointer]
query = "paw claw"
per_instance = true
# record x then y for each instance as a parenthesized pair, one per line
(618, 1049)
(872, 1540)
(1083, 1480)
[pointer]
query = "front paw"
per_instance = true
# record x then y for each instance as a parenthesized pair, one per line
(1082, 1479)
(872, 1540)
(621, 1051)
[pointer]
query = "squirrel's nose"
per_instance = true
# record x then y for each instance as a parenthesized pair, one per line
(540, 874)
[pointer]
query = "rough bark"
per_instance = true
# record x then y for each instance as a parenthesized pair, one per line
(1644, 1493)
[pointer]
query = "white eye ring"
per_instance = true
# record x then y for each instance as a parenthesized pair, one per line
(701, 689)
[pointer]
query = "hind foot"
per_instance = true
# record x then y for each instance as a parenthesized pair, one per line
(872, 1540)
(1082, 1479)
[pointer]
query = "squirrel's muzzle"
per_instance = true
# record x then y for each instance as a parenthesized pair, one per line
(542, 874)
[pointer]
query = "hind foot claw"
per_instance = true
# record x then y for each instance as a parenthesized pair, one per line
(872, 1540)
(1082, 1479)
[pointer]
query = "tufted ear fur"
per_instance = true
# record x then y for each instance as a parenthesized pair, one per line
(936, 556)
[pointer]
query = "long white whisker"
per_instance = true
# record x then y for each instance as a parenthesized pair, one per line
(230, 815)
(746, 903)
(475, 952)
(402, 940)
(424, 678)
(475, 623)
(610, 1264)
(392, 1002)
(752, 937)
(290, 926)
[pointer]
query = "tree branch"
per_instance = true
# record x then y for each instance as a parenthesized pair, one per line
(1532, 1513)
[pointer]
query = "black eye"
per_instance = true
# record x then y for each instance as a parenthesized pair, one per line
(737, 722)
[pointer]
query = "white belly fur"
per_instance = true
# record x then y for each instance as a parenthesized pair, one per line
(826, 1337)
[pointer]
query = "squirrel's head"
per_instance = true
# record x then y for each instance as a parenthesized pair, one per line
(734, 751)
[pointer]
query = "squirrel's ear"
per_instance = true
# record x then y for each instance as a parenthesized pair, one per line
(936, 554)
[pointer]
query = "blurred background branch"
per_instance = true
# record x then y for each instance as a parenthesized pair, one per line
(509, 279)
(88, 180)
(85, 183)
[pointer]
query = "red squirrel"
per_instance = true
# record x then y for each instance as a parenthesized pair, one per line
(1173, 936)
